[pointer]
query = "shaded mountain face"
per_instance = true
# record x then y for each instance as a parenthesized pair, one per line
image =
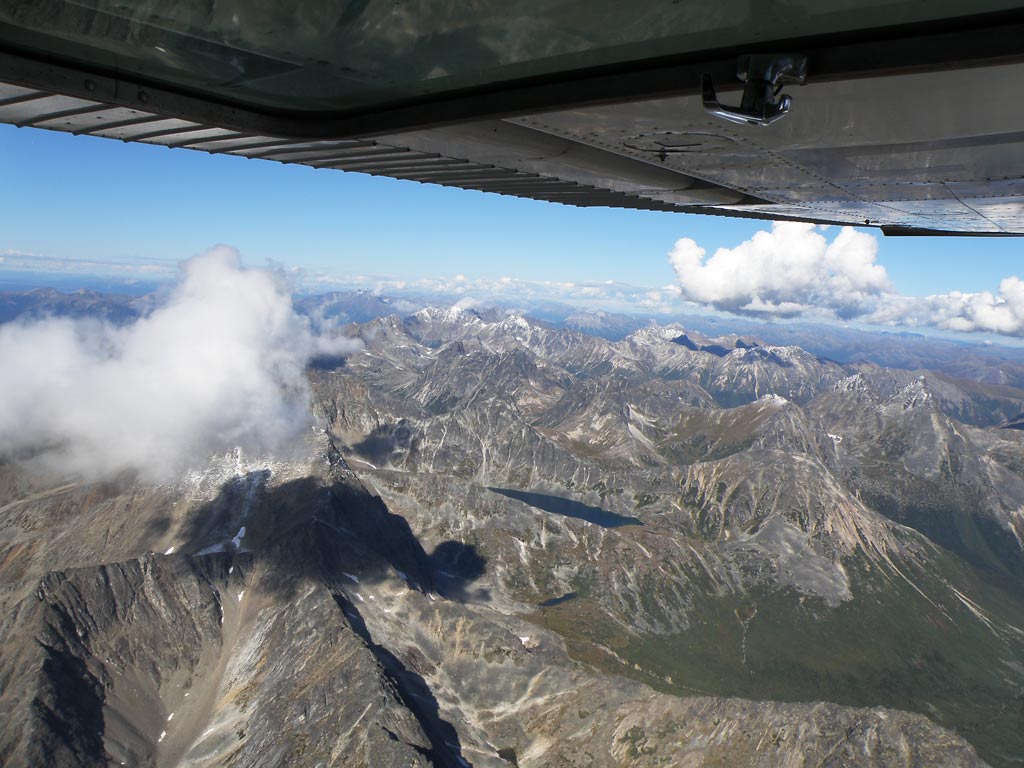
(519, 545)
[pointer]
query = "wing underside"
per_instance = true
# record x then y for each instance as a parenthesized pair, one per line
(914, 131)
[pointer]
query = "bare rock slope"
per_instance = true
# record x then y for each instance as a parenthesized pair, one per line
(291, 618)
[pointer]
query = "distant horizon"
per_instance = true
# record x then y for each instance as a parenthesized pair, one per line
(542, 309)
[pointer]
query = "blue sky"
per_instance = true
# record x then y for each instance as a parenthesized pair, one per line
(90, 198)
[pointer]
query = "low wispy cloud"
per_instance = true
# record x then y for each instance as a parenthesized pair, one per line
(152, 269)
(221, 363)
(609, 295)
(793, 270)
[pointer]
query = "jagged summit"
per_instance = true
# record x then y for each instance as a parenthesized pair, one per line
(517, 325)
(767, 351)
(916, 394)
(656, 334)
(452, 316)
(856, 383)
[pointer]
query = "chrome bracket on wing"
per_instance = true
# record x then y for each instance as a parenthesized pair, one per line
(764, 75)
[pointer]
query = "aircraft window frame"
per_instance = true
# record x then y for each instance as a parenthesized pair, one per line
(975, 40)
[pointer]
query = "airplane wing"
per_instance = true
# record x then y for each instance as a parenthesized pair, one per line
(896, 114)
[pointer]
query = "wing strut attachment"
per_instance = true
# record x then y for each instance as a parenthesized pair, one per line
(764, 75)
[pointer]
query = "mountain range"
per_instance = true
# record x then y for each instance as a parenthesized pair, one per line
(514, 543)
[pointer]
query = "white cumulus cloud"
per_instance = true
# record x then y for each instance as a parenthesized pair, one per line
(793, 270)
(220, 363)
(785, 272)
(1001, 312)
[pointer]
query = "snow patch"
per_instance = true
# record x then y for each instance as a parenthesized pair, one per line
(517, 321)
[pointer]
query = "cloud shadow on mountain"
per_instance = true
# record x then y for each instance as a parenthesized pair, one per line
(327, 529)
